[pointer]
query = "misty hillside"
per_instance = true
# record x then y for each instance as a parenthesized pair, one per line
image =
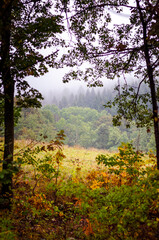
(85, 122)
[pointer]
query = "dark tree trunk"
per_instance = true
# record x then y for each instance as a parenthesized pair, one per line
(8, 138)
(154, 103)
(151, 82)
(8, 86)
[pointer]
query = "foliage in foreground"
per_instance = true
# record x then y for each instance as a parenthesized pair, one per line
(98, 205)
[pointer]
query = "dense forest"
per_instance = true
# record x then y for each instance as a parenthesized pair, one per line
(85, 121)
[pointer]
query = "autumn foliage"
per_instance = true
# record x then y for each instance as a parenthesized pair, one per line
(73, 198)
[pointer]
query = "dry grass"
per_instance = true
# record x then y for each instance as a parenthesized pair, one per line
(77, 164)
(80, 161)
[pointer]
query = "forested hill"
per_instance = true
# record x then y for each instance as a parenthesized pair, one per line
(83, 126)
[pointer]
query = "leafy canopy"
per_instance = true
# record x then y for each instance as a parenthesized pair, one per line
(34, 27)
(114, 50)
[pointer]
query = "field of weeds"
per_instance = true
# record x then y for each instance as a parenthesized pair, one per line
(73, 193)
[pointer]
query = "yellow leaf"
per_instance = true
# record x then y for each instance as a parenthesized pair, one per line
(61, 214)
(156, 119)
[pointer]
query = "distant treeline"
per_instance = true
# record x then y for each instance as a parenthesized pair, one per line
(83, 126)
(91, 98)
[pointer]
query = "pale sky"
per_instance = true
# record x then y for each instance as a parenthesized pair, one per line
(52, 81)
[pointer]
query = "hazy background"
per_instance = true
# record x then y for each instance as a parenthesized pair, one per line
(51, 83)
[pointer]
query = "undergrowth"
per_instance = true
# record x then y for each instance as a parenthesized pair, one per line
(119, 201)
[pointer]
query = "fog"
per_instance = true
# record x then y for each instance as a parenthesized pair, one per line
(52, 81)
(51, 84)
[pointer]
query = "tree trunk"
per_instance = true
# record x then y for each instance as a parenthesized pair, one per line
(154, 104)
(151, 82)
(153, 94)
(8, 86)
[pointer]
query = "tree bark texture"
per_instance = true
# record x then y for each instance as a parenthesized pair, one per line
(8, 87)
(154, 102)
(151, 82)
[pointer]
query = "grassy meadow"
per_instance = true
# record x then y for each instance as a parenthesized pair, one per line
(61, 192)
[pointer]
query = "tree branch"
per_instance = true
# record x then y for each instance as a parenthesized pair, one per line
(128, 62)
(115, 51)
(103, 5)
(38, 61)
